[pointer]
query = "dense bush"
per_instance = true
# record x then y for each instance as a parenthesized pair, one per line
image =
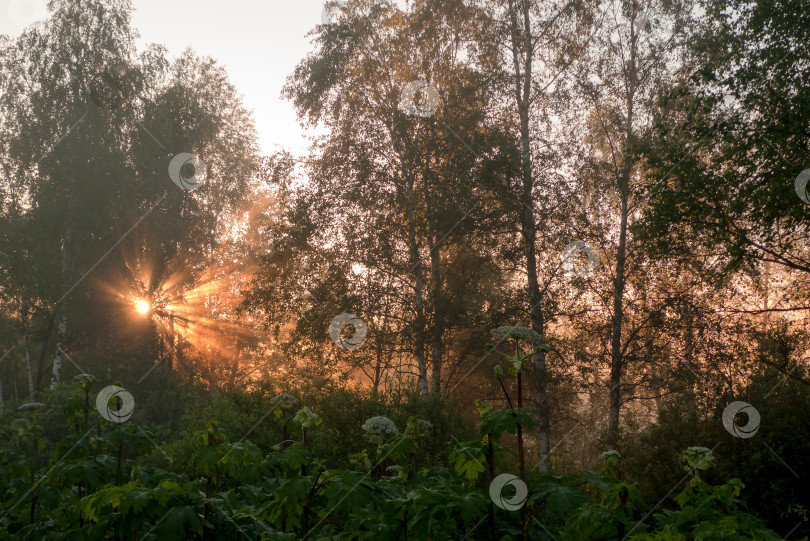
(773, 464)
(399, 477)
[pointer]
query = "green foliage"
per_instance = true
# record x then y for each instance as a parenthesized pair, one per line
(468, 459)
(709, 512)
(306, 418)
(241, 464)
(234, 489)
(771, 488)
(495, 423)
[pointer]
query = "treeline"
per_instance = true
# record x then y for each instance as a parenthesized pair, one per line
(625, 179)
(124, 176)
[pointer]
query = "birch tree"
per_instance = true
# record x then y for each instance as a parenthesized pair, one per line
(89, 124)
(633, 60)
(537, 43)
(394, 181)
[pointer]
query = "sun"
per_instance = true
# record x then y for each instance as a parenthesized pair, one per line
(142, 306)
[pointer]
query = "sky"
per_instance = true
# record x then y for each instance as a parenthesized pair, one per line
(258, 41)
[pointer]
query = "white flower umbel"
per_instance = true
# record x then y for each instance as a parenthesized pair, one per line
(610, 455)
(380, 429)
(285, 400)
(517, 333)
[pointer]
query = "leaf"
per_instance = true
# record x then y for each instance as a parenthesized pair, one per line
(206, 460)
(307, 418)
(468, 459)
(177, 520)
(349, 490)
(558, 497)
(497, 422)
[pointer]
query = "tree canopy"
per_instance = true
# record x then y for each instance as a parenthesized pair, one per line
(528, 237)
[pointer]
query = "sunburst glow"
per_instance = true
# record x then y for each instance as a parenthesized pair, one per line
(141, 306)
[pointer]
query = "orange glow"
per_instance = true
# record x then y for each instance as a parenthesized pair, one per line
(192, 307)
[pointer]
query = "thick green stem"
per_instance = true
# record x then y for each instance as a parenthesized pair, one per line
(284, 443)
(33, 473)
(118, 462)
(86, 408)
(491, 471)
(521, 462)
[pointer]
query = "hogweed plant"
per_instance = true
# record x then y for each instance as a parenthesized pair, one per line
(611, 463)
(518, 364)
(415, 431)
(85, 382)
(30, 434)
(697, 459)
(307, 419)
(237, 492)
(380, 431)
(282, 404)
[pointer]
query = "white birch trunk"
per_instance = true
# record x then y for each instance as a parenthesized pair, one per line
(26, 334)
(61, 330)
(57, 358)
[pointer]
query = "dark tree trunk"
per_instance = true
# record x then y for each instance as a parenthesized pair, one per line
(416, 264)
(438, 322)
(522, 52)
(623, 182)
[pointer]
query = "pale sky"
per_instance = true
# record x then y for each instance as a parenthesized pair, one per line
(258, 42)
